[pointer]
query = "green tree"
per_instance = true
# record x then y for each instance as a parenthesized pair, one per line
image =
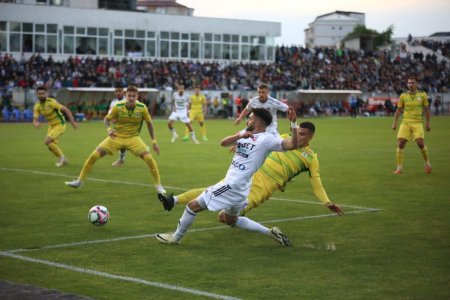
(380, 39)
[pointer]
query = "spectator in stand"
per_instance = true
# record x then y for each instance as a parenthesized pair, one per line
(437, 104)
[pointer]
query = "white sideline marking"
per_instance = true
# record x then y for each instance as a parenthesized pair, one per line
(123, 278)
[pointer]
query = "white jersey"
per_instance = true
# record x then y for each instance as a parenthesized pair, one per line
(249, 157)
(272, 105)
(181, 102)
(114, 102)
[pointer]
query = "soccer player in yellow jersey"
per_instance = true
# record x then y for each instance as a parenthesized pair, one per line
(278, 169)
(52, 111)
(197, 111)
(412, 104)
(123, 124)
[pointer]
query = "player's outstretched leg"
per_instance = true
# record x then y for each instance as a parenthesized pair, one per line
(276, 234)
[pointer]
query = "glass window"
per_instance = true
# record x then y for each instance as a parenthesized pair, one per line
(27, 27)
(195, 36)
(235, 38)
(39, 43)
(140, 33)
(118, 32)
(261, 40)
(226, 38)
(69, 30)
(217, 37)
(270, 53)
(244, 38)
(129, 33)
(164, 49)
(118, 47)
(217, 51)
(208, 37)
(92, 31)
(254, 40)
(103, 31)
(151, 34)
(103, 46)
(174, 49)
(245, 49)
(226, 51)
(68, 44)
(234, 51)
(208, 51)
(175, 35)
(254, 52)
(134, 47)
(81, 30)
(39, 27)
(2, 26)
(151, 48)
(52, 28)
(14, 42)
(86, 45)
(164, 35)
(27, 43)
(185, 36)
(51, 44)
(15, 26)
(2, 41)
(184, 49)
(195, 50)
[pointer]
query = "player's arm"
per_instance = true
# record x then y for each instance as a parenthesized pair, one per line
(109, 124)
(397, 113)
(243, 114)
(291, 143)
(151, 131)
(427, 117)
(172, 104)
(69, 115)
(36, 115)
(321, 194)
(232, 139)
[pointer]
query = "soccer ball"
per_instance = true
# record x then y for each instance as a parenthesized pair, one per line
(98, 215)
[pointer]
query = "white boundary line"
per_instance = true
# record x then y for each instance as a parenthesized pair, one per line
(118, 277)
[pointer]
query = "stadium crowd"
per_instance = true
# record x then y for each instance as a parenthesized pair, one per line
(294, 68)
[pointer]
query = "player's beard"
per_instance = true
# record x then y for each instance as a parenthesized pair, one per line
(42, 99)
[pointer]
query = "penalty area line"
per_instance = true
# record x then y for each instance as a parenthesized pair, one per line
(119, 277)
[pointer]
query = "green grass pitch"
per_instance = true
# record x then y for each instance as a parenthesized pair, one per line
(392, 243)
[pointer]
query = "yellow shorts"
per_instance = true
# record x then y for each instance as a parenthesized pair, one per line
(196, 116)
(410, 131)
(261, 190)
(55, 131)
(133, 144)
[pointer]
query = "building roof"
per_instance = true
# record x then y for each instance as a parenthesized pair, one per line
(335, 17)
(160, 3)
(441, 34)
(340, 12)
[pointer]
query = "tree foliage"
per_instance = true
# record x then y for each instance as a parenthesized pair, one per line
(380, 39)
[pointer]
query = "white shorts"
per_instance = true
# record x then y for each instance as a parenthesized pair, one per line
(179, 116)
(222, 196)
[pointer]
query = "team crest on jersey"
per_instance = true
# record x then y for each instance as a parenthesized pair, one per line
(137, 114)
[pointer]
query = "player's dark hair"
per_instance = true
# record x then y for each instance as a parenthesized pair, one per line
(308, 125)
(41, 88)
(412, 77)
(132, 88)
(263, 86)
(118, 86)
(263, 114)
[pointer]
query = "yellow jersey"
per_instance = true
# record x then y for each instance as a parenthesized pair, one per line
(128, 122)
(197, 102)
(51, 110)
(413, 106)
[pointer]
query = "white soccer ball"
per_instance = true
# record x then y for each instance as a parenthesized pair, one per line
(98, 215)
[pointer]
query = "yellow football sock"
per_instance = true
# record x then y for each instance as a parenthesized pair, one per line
(151, 163)
(203, 130)
(424, 152)
(88, 164)
(399, 156)
(189, 195)
(54, 148)
(186, 131)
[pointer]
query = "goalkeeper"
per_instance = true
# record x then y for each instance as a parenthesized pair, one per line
(278, 169)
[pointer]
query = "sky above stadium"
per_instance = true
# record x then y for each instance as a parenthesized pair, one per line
(418, 17)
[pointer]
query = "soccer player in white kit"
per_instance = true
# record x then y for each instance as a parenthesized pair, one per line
(263, 100)
(180, 102)
(252, 146)
(118, 91)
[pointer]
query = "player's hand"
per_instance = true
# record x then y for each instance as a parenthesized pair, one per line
(335, 208)
(36, 123)
(237, 121)
(232, 149)
(112, 133)
(427, 126)
(394, 126)
(245, 134)
(156, 148)
(292, 116)
(75, 125)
